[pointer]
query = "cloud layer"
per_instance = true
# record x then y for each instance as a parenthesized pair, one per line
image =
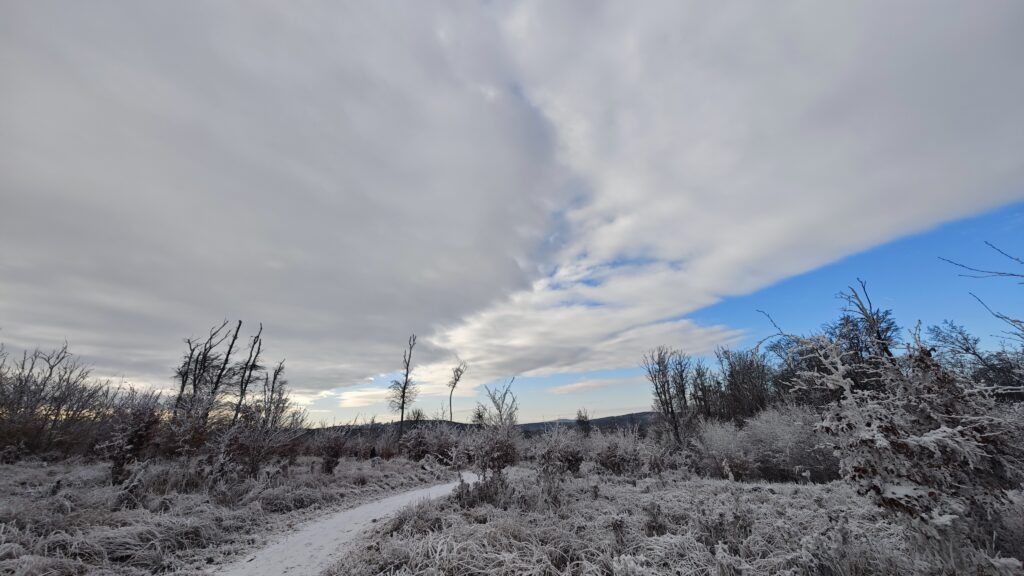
(539, 188)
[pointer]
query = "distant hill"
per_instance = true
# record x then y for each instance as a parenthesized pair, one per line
(640, 419)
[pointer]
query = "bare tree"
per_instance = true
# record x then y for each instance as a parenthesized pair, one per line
(402, 393)
(746, 383)
(659, 365)
(247, 369)
(457, 373)
(195, 366)
(184, 370)
(1016, 325)
(504, 409)
(268, 423)
(706, 391)
(878, 325)
(227, 358)
(982, 273)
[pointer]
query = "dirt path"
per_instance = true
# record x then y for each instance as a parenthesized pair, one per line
(313, 547)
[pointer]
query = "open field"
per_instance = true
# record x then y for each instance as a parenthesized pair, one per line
(67, 518)
(602, 524)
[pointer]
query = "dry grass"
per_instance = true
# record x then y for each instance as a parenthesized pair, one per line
(616, 526)
(66, 517)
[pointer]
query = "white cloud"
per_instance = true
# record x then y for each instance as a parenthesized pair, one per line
(595, 384)
(539, 188)
(362, 397)
(339, 177)
(724, 148)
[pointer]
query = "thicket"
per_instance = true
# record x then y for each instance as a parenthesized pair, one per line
(230, 415)
(926, 423)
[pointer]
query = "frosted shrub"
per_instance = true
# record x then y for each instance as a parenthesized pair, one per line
(50, 403)
(414, 444)
(787, 446)
(329, 445)
(135, 423)
(619, 452)
(924, 443)
(559, 451)
(723, 453)
(436, 439)
(495, 445)
(490, 450)
(385, 445)
(780, 444)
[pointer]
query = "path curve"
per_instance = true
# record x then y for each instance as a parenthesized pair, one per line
(316, 545)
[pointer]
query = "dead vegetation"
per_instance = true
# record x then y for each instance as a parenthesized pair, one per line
(616, 525)
(100, 479)
(67, 517)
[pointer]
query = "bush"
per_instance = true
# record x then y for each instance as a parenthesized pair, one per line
(329, 445)
(437, 439)
(780, 444)
(490, 450)
(48, 402)
(924, 442)
(620, 452)
(787, 446)
(559, 451)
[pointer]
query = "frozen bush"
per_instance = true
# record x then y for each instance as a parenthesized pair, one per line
(723, 453)
(923, 441)
(49, 402)
(780, 444)
(436, 439)
(329, 445)
(619, 452)
(496, 444)
(559, 451)
(134, 426)
(385, 444)
(490, 450)
(786, 445)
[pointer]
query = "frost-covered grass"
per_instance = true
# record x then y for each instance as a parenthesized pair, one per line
(613, 525)
(67, 518)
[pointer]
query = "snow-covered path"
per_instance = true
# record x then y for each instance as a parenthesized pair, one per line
(313, 547)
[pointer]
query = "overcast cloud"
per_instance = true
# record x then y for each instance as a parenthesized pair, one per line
(538, 187)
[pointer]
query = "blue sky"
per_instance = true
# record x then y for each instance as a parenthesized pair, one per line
(906, 276)
(543, 190)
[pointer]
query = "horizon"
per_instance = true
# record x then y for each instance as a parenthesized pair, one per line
(544, 194)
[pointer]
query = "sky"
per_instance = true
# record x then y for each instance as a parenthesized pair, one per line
(542, 189)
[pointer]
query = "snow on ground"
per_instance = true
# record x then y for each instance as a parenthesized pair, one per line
(315, 546)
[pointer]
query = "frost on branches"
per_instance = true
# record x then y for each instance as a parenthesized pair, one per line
(922, 440)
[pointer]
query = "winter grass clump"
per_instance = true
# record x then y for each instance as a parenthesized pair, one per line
(651, 526)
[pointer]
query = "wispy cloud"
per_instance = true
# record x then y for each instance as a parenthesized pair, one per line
(362, 397)
(594, 384)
